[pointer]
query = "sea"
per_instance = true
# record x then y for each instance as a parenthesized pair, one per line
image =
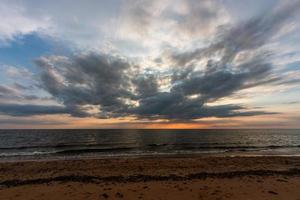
(18, 145)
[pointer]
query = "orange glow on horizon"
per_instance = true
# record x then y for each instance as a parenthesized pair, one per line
(68, 122)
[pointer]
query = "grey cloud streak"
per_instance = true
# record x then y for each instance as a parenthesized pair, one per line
(6, 91)
(29, 110)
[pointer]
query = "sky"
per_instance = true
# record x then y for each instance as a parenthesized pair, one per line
(150, 64)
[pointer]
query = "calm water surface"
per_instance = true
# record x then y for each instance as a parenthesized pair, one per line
(64, 144)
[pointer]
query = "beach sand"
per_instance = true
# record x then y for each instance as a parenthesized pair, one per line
(190, 177)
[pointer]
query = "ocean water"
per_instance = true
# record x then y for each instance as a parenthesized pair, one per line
(70, 144)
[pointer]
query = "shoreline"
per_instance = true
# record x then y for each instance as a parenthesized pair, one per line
(18, 159)
(208, 177)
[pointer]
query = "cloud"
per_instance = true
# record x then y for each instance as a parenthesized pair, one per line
(17, 93)
(4, 90)
(217, 80)
(157, 23)
(20, 87)
(90, 79)
(101, 85)
(235, 61)
(14, 72)
(81, 26)
(102, 24)
(146, 85)
(245, 36)
(8, 93)
(17, 22)
(29, 110)
(139, 16)
(199, 18)
(176, 107)
(292, 102)
(105, 86)
(16, 122)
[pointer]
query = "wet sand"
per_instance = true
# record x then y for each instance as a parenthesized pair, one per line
(153, 178)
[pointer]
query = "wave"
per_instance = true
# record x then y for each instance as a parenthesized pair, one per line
(67, 151)
(132, 148)
(14, 154)
(153, 145)
(63, 145)
(218, 146)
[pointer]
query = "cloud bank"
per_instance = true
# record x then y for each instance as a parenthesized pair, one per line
(186, 87)
(103, 86)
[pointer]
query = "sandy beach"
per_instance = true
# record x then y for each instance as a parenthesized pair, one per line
(153, 178)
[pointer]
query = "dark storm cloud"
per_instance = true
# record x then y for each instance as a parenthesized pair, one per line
(91, 79)
(115, 89)
(217, 81)
(146, 85)
(28, 110)
(179, 108)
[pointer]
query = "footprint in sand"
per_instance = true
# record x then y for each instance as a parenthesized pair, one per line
(119, 195)
(272, 192)
(105, 195)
